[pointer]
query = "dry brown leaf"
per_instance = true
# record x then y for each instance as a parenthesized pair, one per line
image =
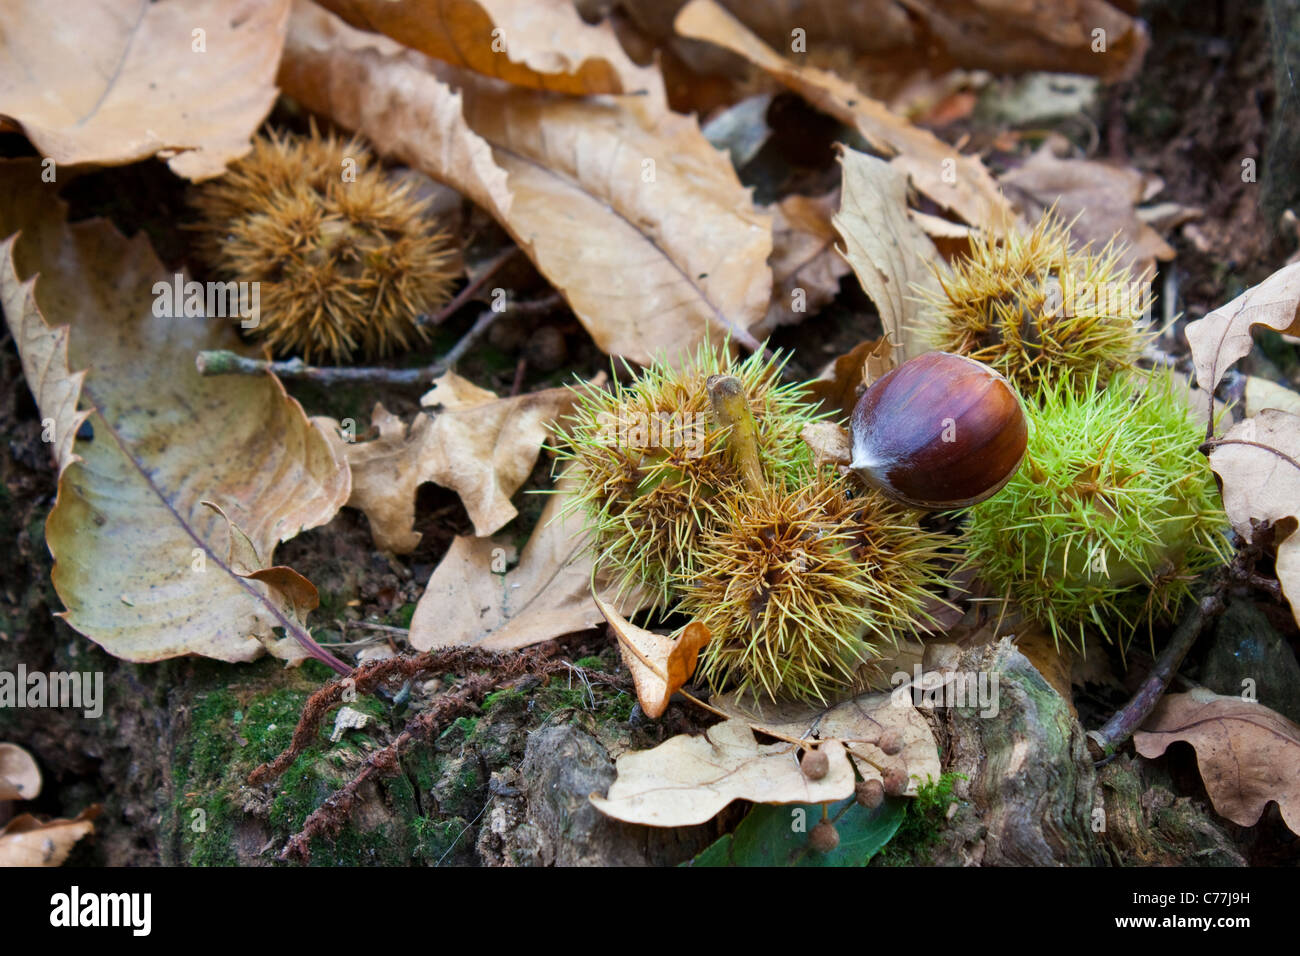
(129, 530)
(119, 81)
(806, 267)
(954, 181)
(547, 595)
(829, 443)
(630, 213)
(26, 841)
(660, 665)
(689, 779)
(1247, 754)
(20, 778)
(840, 383)
(891, 255)
(542, 44)
(1104, 199)
(482, 447)
(1223, 336)
(856, 723)
(1258, 463)
(1261, 393)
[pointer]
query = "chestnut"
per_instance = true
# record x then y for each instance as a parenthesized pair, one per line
(940, 431)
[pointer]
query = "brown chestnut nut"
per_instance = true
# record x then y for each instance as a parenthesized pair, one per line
(940, 431)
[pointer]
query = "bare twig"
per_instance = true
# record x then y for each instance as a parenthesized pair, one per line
(470, 290)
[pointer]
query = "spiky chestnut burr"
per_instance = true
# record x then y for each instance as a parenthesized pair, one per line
(1112, 515)
(1035, 310)
(802, 585)
(345, 256)
(649, 460)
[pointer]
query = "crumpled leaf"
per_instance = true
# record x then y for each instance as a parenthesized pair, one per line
(116, 81)
(26, 841)
(542, 44)
(129, 528)
(690, 778)
(840, 384)
(629, 212)
(20, 778)
(1258, 463)
(1247, 754)
(954, 181)
(546, 595)
(856, 723)
(482, 447)
(660, 665)
(890, 253)
(1223, 336)
(805, 262)
(1098, 198)
(829, 443)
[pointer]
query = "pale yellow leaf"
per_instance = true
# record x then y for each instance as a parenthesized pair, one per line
(26, 841)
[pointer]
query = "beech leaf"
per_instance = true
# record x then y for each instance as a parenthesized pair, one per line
(627, 210)
(141, 563)
(660, 665)
(1247, 754)
(954, 181)
(689, 779)
(116, 81)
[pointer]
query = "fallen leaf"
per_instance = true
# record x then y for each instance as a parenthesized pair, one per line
(829, 443)
(122, 81)
(630, 213)
(26, 841)
(1261, 393)
(806, 267)
(660, 665)
(1247, 754)
(891, 255)
(547, 595)
(1223, 336)
(689, 779)
(542, 44)
(856, 723)
(1258, 464)
(954, 181)
(141, 564)
(20, 778)
(1100, 200)
(480, 446)
(840, 384)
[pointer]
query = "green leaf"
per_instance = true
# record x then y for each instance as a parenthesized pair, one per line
(766, 837)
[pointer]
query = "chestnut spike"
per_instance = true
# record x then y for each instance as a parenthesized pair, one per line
(940, 431)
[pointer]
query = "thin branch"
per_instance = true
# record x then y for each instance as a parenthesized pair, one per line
(470, 290)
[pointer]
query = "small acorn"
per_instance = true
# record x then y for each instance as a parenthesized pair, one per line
(940, 431)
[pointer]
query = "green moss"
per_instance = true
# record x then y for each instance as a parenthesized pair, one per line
(922, 824)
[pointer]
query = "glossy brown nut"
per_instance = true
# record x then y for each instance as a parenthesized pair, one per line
(939, 431)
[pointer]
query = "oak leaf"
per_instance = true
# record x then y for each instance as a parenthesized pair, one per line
(1247, 754)
(689, 779)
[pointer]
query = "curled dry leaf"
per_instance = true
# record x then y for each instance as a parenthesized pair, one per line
(26, 841)
(1247, 754)
(856, 723)
(842, 380)
(1258, 463)
(890, 253)
(829, 443)
(471, 598)
(542, 44)
(190, 82)
(482, 447)
(954, 181)
(629, 212)
(1223, 336)
(20, 778)
(141, 564)
(806, 267)
(660, 665)
(1099, 199)
(690, 778)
